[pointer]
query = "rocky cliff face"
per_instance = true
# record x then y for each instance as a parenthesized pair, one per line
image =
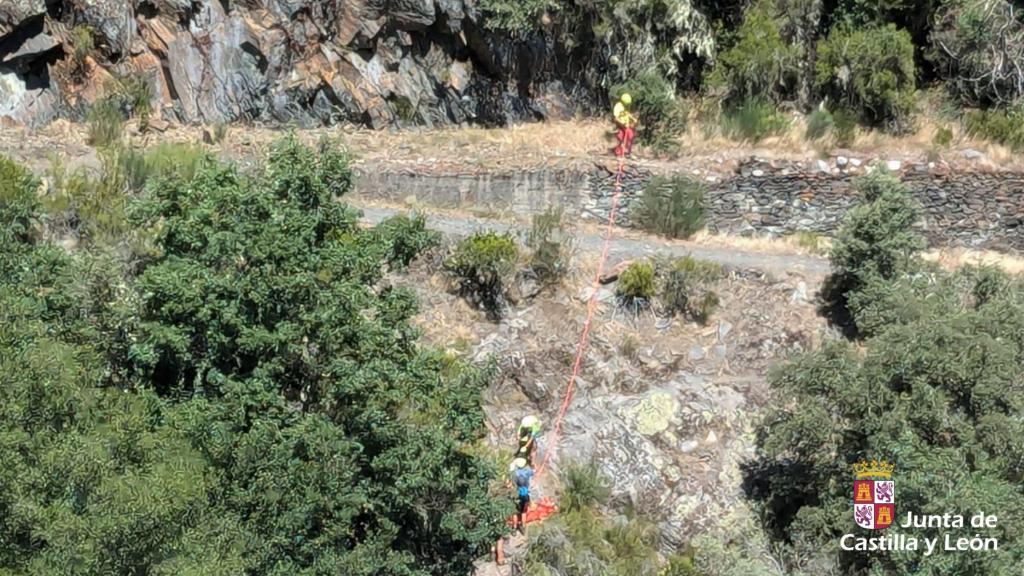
(370, 62)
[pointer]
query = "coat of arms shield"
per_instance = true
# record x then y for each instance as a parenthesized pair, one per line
(874, 495)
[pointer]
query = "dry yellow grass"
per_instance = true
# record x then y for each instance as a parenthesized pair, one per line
(953, 258)
(536, 144)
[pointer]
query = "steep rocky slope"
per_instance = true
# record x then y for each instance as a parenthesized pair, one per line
(370, 62)
(665, 407)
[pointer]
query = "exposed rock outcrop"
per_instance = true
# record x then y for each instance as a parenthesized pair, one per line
(371, 62)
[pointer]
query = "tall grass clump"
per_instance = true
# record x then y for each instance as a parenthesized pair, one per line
(550, 246)
(753, 121)
(684, 287)
(819, 123)
(105, 123)
(1004, 126)
(636, 284)
(672, 207)
(844, 127)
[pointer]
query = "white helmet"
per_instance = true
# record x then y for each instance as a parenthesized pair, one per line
(531, 422)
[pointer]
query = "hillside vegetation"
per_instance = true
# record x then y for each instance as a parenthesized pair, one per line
(739, 67)
(223, 383)
(739, 63)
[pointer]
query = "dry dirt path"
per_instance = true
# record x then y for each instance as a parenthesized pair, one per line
(627, 245)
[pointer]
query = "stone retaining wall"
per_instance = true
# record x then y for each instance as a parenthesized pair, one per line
(523, 192)
(967, 208)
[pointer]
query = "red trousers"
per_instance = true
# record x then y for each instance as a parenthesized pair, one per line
(626, 134)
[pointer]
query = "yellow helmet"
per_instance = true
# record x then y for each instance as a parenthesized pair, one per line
(626, 98)
(520, 462)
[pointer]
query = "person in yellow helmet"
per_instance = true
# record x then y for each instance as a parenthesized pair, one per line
(626, 122)
(527, 434)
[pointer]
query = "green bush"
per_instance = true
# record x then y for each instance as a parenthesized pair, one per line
(19, 203)
(819, 123)
(218, 133)
(169, 160)
(105, 123)
(673, 207)
(582, 542)
(636, 283)
(947, 373)
(989, 283)
(83, 44)
(943, 137)
(808, 240)
(844, 127)
(549, 244)
(977, 46)
(92, 204)
(675, 292)
(684, 287)
(1003, 126)
(407, 238)
(679, 565)
(483, 264)
(753, 121)
(133, 93)
(123, 98)
(661, 117)
(515, 16)
(173, 160)
(877, 235)
(876, 242)
(215, 409)
(870, 71)
(761, 64)
(583, 487)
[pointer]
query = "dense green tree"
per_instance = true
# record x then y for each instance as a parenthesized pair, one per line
(876, 244)
(937, 389)
(338, 441)
(91, 481)
(254, 402)
(620, 39)
(870, 71)
(762, 63)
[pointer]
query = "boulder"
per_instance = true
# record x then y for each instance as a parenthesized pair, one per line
(113, 21)
(16, 13)
(672, 450)
(359, 21)
(23, 101)
(29, 49)
(452, 13)
(216, 77)
(411, 14)
(24, 43)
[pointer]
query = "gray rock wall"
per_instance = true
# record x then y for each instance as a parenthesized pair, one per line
(525, 192)
(309, 62)
(967, 208)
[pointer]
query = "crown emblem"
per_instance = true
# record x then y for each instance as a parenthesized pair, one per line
(879, 468)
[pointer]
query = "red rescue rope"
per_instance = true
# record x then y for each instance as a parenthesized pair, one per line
(591, 308)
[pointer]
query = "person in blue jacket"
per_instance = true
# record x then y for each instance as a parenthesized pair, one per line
(522, 474)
